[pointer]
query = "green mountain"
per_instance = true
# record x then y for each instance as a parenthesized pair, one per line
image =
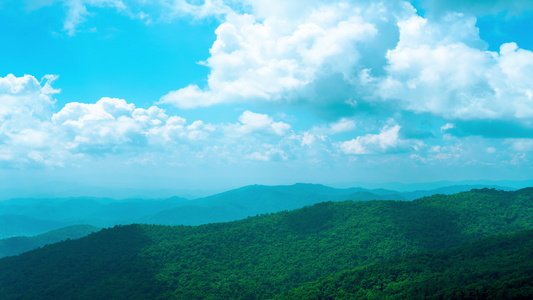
(497, 267)
(452, 189)
(20, 244)
(258, 257)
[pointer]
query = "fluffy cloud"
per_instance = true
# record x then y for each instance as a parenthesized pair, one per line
(353, 57)
(436, 71)
(25, 108)
(31, 133)
(251, 122)
(386, 140)
(281, 59)
(112, 125)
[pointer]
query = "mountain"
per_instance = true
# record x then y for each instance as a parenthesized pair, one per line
(452, 189)
(20, 244)
(100, 212)
(258, 257)
(497, 267)
(228, 206)
(259, 199)
(20, 225)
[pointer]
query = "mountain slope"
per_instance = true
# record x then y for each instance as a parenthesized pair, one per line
(258, 257)
(20, 244)
(497, 267)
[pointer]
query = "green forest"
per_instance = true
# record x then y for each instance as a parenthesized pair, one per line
(470, 244)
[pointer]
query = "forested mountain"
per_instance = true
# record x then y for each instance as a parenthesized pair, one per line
(497, 267)
(258, 257)
(452, 189)
(20, 244)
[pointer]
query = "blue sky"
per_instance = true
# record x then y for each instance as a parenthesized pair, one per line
(188, 94)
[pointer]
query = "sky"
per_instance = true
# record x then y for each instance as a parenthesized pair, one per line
(192, 94)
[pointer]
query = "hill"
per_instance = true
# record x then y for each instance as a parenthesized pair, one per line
(20, 244)
(497, 267)
(258, 257)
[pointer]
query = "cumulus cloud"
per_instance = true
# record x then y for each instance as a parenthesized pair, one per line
(265, 57)
(387, 140)
(354, 57)
(441, 72)
(31, 133)
(251, 122)
(26, 105)
(273, 154)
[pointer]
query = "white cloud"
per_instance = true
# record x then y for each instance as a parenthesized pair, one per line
(31, 133)
(26, 106)
(209, 8)
(270, 155)
(342, 125)
(387, 140)
(329, 54)
(265, 57)
(251, 122)
(438, 68)
(520, 144)
(77, 11)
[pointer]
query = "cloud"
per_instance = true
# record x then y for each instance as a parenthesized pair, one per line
(387, 140)
(26, 105)
(270, 155)
(347, 59)
(522, 145)
(209, 8)
(251, 122)
(434, 70)
(32, 134)
(264, 57)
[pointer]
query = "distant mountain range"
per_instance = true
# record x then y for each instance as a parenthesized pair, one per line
(27, 217)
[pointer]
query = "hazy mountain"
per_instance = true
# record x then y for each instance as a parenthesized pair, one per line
(19, 225)
(259, 257)
(258, 199)
(101, 212)
(20, 244)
